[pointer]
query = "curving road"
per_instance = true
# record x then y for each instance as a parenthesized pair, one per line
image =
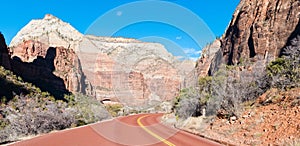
(142, 129)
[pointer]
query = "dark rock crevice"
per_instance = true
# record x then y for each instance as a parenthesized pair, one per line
(289, 13)
(277, 8)
(251, 44)
(232, 33)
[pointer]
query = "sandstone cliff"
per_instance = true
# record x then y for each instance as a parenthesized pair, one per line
(209, 54)
(128, 70)
(63, 63)
(54, 69)
(118, 69)
(32, 45)
(258, 30)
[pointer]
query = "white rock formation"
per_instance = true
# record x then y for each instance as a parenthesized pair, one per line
(51, 31)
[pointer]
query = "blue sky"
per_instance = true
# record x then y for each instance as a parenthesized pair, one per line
(82, 14)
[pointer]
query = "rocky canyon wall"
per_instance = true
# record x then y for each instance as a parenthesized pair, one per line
(258, 30)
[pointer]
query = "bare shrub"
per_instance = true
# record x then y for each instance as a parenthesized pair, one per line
(87, 109)
(39, 113)
(224, 92)
(284, 72)
(230, 86)
(32, 115)
(233, 85)
(186, 103)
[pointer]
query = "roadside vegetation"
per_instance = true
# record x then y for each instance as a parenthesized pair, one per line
(226, 92)
(25, 110)
(114, 109)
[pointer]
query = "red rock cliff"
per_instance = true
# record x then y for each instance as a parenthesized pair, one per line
(260, 29)
(58, 67)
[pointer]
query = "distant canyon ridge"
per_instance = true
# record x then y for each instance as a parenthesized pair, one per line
(57, 58)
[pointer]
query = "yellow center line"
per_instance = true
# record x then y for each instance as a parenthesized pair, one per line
(152, 133)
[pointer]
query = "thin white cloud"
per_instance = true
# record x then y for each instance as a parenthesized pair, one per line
(187, 58)
(119, 13)
(191, 51)
(194, 58)
(178, 37)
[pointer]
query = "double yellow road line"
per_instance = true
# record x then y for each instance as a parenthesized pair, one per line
(152, 133)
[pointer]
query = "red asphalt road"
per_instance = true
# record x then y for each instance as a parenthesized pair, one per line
(142, 129)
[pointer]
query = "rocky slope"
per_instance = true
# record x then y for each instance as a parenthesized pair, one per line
(258, 30)
(273, 119)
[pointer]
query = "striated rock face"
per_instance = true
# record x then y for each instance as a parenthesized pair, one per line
(40, 73)
(29, 50)
(206, 60)
(129, 70)
(203, 64)
(260, 29)
(60, 67)
(32, 44)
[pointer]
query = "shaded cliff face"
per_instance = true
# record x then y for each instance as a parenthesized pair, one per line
(259, 30)
(31, 45)
(4, 56)
(52, 69)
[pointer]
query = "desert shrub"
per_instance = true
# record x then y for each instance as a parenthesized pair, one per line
(232, 86)
(38, 113)
(205, 89)
(87, 109)
(32, 115)
(223, 93)
(191, 101)
(284, 72)
(186, 103)
(114, 109)
(26, 110)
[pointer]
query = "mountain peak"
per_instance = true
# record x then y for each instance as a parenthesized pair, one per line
(50, 17)
(50, 30)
